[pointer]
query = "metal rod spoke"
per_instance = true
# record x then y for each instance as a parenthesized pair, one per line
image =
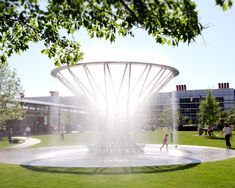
(128, 89)
(80, 84)
(120, 86)
(168, 78)
(62, 78)
(162, 69)
(157, 82)
(105, 89)
(140, 77)
(93, 79)
(93, 90)
(111, 79)
(142, 88)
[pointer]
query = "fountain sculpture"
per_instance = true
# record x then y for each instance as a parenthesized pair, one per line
(117, 90)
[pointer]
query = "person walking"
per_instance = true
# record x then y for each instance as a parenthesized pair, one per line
(9, 135)
(227, 132)
(27, 131)
(165, 142)
(210, 130)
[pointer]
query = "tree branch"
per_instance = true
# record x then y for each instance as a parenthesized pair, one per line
(115, 16)
(131, 12)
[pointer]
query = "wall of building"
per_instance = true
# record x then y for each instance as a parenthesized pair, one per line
(45, 118)
(188, 101)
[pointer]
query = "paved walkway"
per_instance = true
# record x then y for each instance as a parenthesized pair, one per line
(27, 142)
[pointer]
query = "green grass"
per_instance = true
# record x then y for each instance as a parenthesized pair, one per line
(151, 137)
(69, 139)
(184, 138)
(212, 174)
(4, 142)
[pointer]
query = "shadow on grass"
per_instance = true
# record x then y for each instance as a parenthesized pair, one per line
(215, 137)
(111, 171)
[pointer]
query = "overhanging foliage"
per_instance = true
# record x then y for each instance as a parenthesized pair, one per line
(24, 21)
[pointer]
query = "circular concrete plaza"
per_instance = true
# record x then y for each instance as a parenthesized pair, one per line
(79, 156)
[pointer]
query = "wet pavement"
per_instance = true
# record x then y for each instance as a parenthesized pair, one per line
(79, 156)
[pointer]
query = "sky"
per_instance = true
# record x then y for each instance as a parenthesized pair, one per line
(202, 65)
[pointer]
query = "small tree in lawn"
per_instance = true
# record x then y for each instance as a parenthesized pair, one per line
(9, 89)
(167, 116)
(181, 118)
(229, 117)
(209, 111)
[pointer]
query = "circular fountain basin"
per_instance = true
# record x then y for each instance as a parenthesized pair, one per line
(79, 156)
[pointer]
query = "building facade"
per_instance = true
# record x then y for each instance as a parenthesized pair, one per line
(55, 113)
(187, 101)
(49, 114)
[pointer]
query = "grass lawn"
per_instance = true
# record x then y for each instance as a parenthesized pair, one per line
(4, 142)
(211, 174)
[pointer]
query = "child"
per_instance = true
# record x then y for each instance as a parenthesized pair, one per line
(172, 138)
(165, 142)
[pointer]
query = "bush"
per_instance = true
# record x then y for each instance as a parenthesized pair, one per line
(187, 128)
(16, 141)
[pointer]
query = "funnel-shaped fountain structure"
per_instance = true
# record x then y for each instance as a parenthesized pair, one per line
(117, 90)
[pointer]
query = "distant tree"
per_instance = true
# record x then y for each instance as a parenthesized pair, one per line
(180, 118)
(229, 116)
(9, 89)
(55, 21)
(167, 116)
(190, 122)
(209, 111)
